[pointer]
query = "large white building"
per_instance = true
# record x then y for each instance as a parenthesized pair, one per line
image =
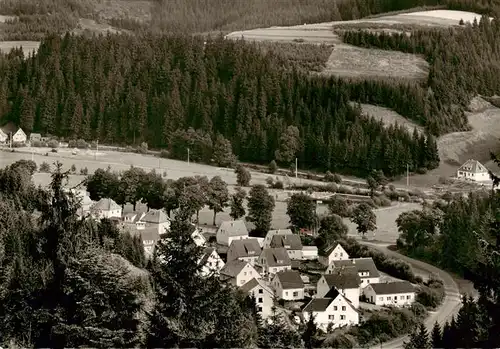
(346, 281)
(334, 311)
(395, 294)
(473, 170)
(263, 295)
(106, 208)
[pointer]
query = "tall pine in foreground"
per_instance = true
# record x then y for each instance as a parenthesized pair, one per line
(419, 339)
(192, 310)
(436, 336)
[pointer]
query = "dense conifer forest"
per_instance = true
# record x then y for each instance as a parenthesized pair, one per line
(152, 89)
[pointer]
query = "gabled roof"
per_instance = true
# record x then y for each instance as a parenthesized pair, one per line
(244, 248)
(146, 234)
(361, 264)
(207, 252)
(2, 133)
(473, 166)
(328, 251)
(393, 287)
(290, 279)
(272, 233)
(106, 204)
(318, 304)
(333, 293)
(250, 285)
(289, 241)
(344, 278)
(276, 257)
(10, 127)
(155, 217)
(233, 268)
(233, 228)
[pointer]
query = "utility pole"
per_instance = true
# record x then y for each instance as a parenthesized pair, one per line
(96, 149)
(10, 141)
(407, 175)
(296, 168)
(188, 156)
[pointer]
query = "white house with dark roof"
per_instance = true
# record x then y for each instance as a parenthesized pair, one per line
(365, 267)
(211, 262)
(396, 294)
(274, 260)
(473, 170)
(290, 242)
(106, 208)
(231, 230)
(238, 272)
(346, 281)
(288, 285)
(336, 253)
(247, 250)
(156, 218)
(263, 295)
(3, 137)
(271, 233)
(309, 253)
(335, 311)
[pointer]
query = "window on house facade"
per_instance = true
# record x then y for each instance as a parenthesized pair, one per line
(261, 290)
(389, 298)
(408, 297)
(259, 300)
(343, 308)
(342, 317)
(335, 255)
(341, 254)
(395, 298)
(295, 294)
(334, 308)
(331, 317)
(381, 299)
(259, 308)
(274, 270)
(286, 293)
(245, 273)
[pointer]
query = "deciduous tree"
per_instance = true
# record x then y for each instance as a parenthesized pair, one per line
(364, 218)
(260, 208)
(302, 211)
(332, 229)
(223, 152)
(243, 176)
(218, 195)
(237, 203)
(339, 206)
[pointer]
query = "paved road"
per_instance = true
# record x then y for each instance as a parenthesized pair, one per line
(451, 303)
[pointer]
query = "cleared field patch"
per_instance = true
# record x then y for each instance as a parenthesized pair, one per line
(138, 10)
(389, 117)
(4, 19)
(350, 61)
(27, 46)
(432, 18)
(89, 25)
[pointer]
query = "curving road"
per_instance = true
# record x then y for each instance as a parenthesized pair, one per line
(451, 303)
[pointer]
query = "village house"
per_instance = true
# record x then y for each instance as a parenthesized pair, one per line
(149, 237)
(106, 208)
(335, 311)
(263, 295)
(17, 134)
(157, 219)
(238, 272)
(274, 260)
(211, 262)
(35, 137)
(396, 294)
(271, 233)
(365, 267)
(473, 170)
(346, 281)
(288, 285)
(231, 230)
(247, 250)
(290, 242)
(336, 253)
(309, 253)
(3, 137)
(85, 202)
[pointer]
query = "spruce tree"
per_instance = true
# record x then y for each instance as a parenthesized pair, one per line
(436, 336)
